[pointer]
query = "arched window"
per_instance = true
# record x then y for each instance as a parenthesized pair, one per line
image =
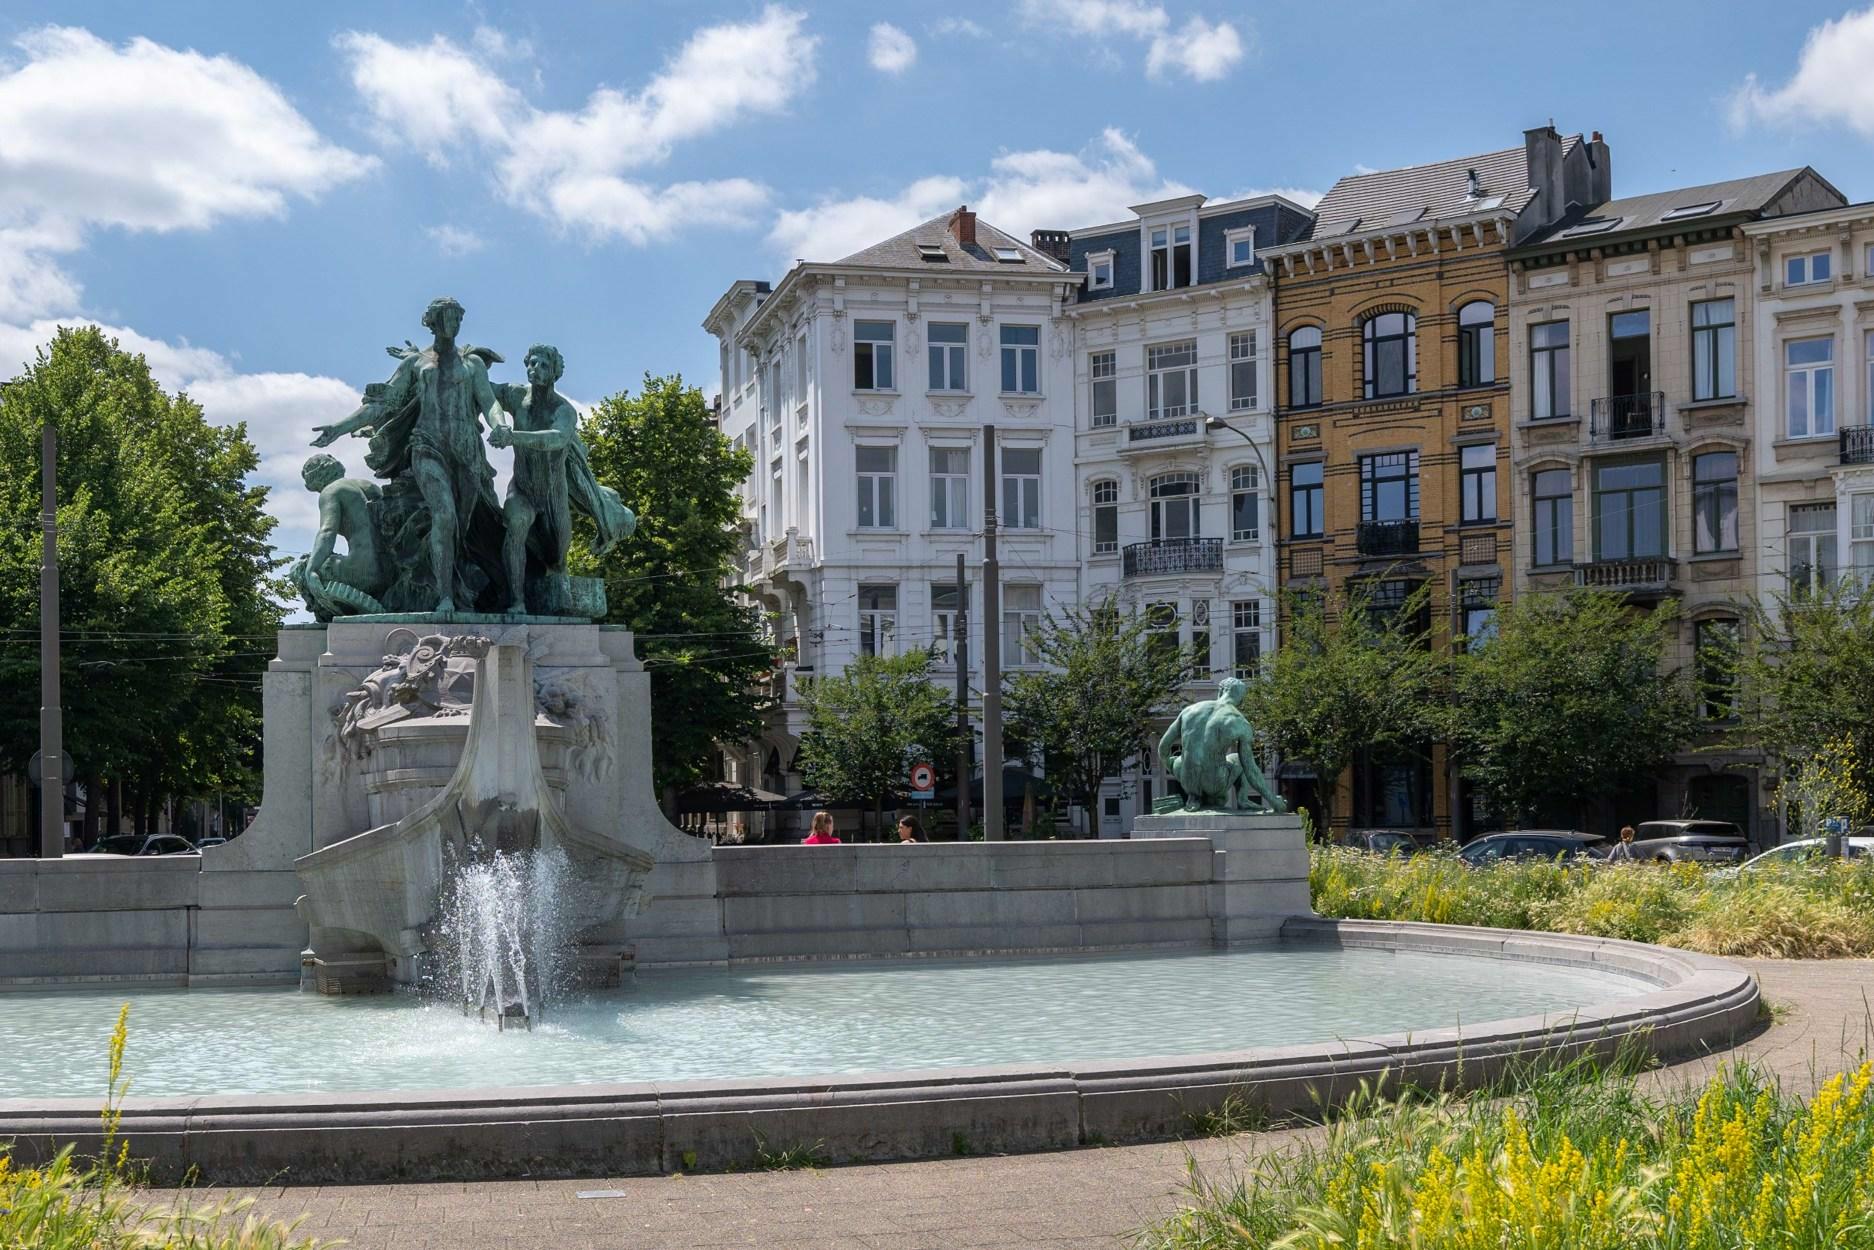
(1391, 342)
(1304, 367)
(1477, 343)
(1105, 516)
(1174, 507)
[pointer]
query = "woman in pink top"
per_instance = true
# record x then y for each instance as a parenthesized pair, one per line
(822, 834)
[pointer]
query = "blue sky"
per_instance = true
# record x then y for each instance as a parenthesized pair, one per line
(262, 197)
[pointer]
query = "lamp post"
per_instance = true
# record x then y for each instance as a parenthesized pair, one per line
(1218, 423)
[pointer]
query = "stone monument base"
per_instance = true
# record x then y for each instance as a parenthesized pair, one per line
(1259, 876)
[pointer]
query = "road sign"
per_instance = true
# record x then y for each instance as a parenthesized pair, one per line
(35, 767)
(923, 783)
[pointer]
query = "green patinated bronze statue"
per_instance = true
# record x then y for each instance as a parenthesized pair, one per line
(334, 584)
(1208, 749)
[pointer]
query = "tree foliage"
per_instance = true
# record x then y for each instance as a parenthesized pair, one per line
(168, 600)
(706, 651)
(1569, 698)
(1804, 673)
(1348, 678)
(867, 726)
(1093, 705)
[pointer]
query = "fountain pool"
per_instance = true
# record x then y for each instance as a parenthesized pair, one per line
(782, 1020)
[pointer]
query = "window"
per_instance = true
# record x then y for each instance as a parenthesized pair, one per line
(1105, 517)
(1246, 638)
(1392, 354)
(1553, 506)
(949, 352)
(1554, 500)
(933, 253)
(878, 470)
(1548, 370)
(1477, 609)
(1861, 536)
(1242, 371)
(1021, 488)
(1161, 620)
(1304, 367)
(1171, 379)
(1630, 510)
(949, 488)
(800, 368)
(1304, 500)
(1809, 386)
(1021, 360)
(1021, 617)
(1171, 257)
(1477, 476)
(1804, 270)
(946, 607)
(1009, 255)
(1200, 640)
(878, 619)
(1175, 511)
(1099, 271)
(1103, 403)
(1715, 642)
(1239, 247)
(1870, 377)
(1245, 505)
(871, 355)
(1389, 486)
(1477, 343)
(1811, 547)
(776, 491)
(1714, 502)
(1714, 349)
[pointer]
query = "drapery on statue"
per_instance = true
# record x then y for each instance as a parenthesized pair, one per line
(550, 475)
(1208, 749)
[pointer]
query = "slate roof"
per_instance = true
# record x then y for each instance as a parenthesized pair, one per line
(1397, 197)
(901, 251)
(1640, 212)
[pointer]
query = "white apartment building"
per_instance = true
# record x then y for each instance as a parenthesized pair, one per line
(862, 387)
(1174, 434)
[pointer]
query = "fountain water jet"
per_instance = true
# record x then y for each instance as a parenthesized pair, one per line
(503, 936)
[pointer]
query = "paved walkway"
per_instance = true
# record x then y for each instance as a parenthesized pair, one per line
(1096, 1197)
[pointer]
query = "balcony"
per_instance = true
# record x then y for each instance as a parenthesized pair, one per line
(1164, 434)
(1618, 417)
(1170, 556)
(1648, 577)
(1389, 538)
(1857, 444)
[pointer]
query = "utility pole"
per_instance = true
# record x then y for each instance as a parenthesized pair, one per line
(992, 651)
(960, 650)
(51, 727)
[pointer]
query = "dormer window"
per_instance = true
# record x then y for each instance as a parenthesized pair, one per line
(1171, 257)
(932, 254)
(1239, 247)
(1009, 255)
(1099, 271)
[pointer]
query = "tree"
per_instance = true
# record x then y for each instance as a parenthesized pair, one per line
(166, 578)
(1345, 681)
(1093, 706)
(1803, 673)
(669, 582)
(1826, 782)
(867, 726)
(1569, 698)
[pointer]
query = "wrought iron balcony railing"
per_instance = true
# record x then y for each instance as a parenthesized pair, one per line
(1857, 444)
(1627, 416)
(1389, 538)
(1146, 431)
(1173, 555)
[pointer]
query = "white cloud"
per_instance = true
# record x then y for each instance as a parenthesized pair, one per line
(447, 102)
(455, 240)
(1833, 81)
(958, 26)
(1202, 50)
(890, 50)
(1022, 191)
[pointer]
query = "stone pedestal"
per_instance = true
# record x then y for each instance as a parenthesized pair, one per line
(1259, 868)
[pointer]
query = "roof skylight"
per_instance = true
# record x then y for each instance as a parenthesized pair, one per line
(1009, 255)
(1593, 225)
(1692, 210)
(932, 252)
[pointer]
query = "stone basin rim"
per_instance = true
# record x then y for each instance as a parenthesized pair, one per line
(1699, 1003)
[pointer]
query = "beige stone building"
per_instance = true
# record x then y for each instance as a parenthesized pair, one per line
(1633, 430)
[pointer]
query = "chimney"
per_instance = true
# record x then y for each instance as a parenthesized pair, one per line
(1600, 170)
(962, 224)
(1471, 187)
(1052, 243)
(1542, 150)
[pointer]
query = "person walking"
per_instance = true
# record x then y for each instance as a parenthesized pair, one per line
(910, 831)
(822, 832)
(1623, 851)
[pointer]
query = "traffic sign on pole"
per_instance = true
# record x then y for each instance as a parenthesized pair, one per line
(923, 783)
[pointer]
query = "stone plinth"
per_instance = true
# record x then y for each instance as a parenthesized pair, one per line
(1259, 869)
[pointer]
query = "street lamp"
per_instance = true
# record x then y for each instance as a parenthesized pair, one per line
(1218, 423)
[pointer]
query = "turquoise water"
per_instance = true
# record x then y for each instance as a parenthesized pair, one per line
(777, 1020)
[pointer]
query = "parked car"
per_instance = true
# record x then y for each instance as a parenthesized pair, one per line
(145, 844)
(1694, 841)
(212, 840)
(1381, 841)
(1531, 844)
(1805, 849)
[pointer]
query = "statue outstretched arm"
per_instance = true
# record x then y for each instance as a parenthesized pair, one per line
(487, 403)
(372, 411)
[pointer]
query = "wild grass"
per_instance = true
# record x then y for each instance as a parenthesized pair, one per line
(1813, 911)
(1577, 1159)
